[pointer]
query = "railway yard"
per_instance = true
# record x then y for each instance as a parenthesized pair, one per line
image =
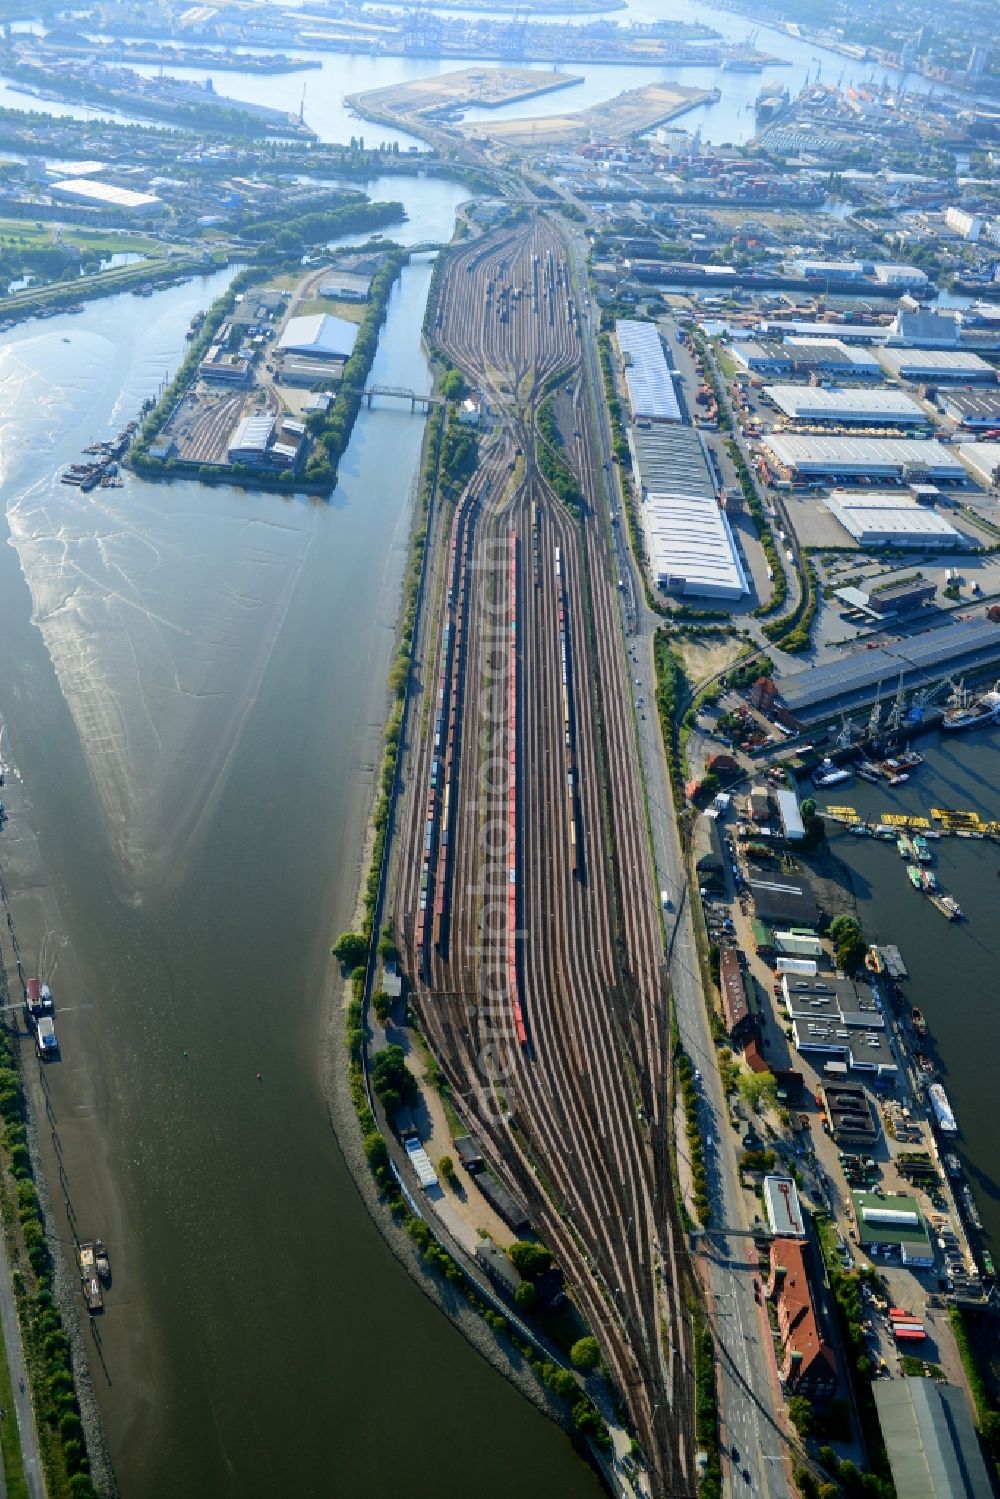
(524, 894)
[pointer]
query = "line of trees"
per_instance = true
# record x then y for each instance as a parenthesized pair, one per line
(49, 1357)
(332, 428)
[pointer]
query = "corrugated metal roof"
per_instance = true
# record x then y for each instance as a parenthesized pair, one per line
(870, 455)
(932, 1445)
(809, 402)
(923, 659)
(648, 377)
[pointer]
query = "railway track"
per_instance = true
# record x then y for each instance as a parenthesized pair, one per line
(524, 901)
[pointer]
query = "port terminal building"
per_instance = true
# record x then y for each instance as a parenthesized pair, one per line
(689, 541)
(853, 682)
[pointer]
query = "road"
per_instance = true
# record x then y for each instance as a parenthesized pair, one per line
(749, 1396)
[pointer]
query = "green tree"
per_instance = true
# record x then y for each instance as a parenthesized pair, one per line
(446, 1166)
(844, 926)
(530, 1260)
(351, 948)
(394, 1084)
(800, 1413)
(452, 385)
(808, 808)
(382, 1005)
(526, 1295)
(989, 1425)
(585, 1354)
(758, 1089)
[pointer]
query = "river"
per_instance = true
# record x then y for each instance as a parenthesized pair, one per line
(193, 685)
(953, 966)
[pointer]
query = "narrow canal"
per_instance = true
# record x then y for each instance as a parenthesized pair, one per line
(192, 683)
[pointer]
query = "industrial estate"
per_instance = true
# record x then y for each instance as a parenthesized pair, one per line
(707, 532)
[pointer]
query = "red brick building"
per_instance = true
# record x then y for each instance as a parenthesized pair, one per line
(807, 1364)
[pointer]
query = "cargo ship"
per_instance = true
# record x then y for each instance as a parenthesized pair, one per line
(944, 1115)
(918, 1022)
(921, 849)
(928, 880)
(952, 1165)
(904, 847)
(969, 714)
(913, 875)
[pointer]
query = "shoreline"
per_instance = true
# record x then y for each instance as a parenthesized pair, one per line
(38, 1096)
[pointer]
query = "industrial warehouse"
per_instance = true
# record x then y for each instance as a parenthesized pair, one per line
(877, 518)
(689, 542)
(840, 458)
(649, 380)
(866, 408)
(824, 691)
(982, 459)
(975, 409)
(935, 364)
(319, 337)
(805, 356)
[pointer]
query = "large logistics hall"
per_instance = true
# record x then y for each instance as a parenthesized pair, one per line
(862, 457)
(689, 542)
(823, 691)
(319, 337)
(652, 395)
(866, 408)
(878, 518)
(982, 459)
(935, 364)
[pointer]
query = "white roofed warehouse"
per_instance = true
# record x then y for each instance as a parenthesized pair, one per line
(878, 518)
(319, 337)
(833, 458)
(864, 408)
(689, 542)
(650, 382)
(936, 365)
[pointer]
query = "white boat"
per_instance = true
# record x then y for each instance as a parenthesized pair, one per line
(828, 774)
(968, 714)
(943, 1112)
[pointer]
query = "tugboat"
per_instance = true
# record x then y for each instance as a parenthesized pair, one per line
(918, 1022)
(829, 774)
(102, 1261)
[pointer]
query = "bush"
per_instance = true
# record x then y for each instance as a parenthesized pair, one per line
(585, 1354)
(351, 948)
(530, 1260)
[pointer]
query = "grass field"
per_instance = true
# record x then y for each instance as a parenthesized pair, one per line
(35, 234)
